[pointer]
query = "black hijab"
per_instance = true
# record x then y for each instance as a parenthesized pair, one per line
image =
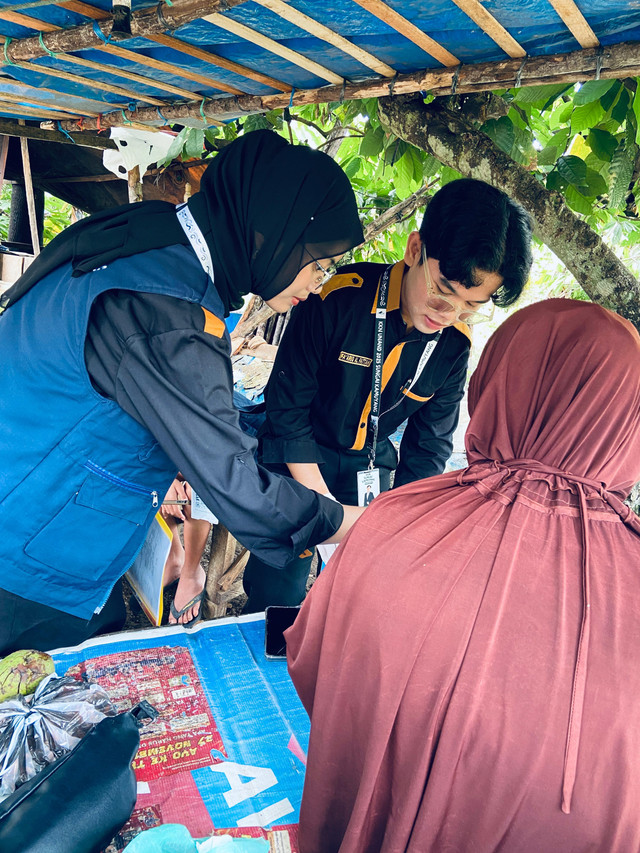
(266, 209)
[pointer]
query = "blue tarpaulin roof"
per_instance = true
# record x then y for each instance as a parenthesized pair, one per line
(176, 72)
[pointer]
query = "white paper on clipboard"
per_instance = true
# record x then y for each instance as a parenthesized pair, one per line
(146, 575)
(199, 509)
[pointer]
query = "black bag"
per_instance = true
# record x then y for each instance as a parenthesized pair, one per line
(80, 801)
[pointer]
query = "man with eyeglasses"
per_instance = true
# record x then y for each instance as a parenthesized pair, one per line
(381, 345)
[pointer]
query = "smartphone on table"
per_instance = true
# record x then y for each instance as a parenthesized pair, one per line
(277, 618)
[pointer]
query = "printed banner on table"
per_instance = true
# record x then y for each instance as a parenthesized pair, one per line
(227, 752)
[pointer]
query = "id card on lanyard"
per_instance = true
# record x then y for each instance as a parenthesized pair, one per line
(369, 480)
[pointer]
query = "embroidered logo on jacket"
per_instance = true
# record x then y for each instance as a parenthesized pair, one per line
(358, 360)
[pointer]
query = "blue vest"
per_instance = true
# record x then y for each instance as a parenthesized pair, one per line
(80, 480)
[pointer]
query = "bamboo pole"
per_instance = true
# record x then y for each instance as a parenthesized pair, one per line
(617, 61)
(31, 203)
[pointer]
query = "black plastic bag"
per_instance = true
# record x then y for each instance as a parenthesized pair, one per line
(79, 802)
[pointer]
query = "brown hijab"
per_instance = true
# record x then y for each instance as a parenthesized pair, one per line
(470, 658)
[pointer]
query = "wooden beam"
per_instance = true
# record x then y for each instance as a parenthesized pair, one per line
(615, 62)
(315, 28)
(385, 13)
(4, 150)
(220, 62)
(25, 91)
(147, 21)
(85, 140)
(98, 14)
(491, 27)
(254, 37)
(114, 70)
(168, 68)
(31, 202)
(575, 21)
(134, 184)
(129, 55)
(27, 100)
(97, 85)
(29, 112)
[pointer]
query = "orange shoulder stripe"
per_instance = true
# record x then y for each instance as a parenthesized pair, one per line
(213, 325)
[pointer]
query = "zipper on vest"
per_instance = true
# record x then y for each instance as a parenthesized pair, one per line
(124, 484)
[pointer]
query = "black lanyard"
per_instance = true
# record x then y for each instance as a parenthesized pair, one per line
(378, 363)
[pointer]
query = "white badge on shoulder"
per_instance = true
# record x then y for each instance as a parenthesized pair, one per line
(368, 485)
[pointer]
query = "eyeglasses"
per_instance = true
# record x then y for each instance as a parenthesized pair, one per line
(442, 305)
(323, 274)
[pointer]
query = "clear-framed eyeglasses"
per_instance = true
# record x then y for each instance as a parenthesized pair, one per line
(442, 305)
(323, 274)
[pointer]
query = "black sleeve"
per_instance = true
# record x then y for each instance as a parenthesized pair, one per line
(179, 384)
(288, 435)
(427, 442)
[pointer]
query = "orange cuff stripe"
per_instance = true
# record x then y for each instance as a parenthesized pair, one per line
(415, 396)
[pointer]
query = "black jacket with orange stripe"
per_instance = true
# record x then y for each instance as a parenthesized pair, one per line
(319, 393)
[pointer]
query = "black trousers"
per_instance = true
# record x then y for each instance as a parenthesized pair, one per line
(266, 585)
(28, 624)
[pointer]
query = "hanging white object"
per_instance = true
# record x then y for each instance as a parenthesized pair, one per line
(135, 148)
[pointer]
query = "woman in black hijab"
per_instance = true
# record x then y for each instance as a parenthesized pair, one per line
(266, 210)
(129, 304)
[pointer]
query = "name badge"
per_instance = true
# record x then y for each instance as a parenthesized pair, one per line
(368, 485)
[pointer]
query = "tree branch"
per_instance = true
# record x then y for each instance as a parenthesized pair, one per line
(398, 213)
(456, 143)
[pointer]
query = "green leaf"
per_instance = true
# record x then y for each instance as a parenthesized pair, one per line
(585, 117)
(212, 134)
(556, 182)
(610, 96)
(404, 180)
(539, 94)
(636, 110)
(447, 174)
(572, 169)
(564, 113)
(591, 91)
(602, 143)
(502, 132)
(194, 143)
(621, 171)
(548, 155)
(352, 167)
(594, 184)
(175, 149)
(577, 202)
(372, 142)
(256, 122)
(619, 111)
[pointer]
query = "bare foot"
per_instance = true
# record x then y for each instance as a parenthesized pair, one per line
(187, 589)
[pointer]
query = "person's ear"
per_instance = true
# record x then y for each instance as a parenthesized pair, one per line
(413, 249)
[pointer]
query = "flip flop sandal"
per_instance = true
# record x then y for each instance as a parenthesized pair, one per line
(178, 613)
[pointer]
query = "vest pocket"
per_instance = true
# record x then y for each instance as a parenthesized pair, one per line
(100, 525)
